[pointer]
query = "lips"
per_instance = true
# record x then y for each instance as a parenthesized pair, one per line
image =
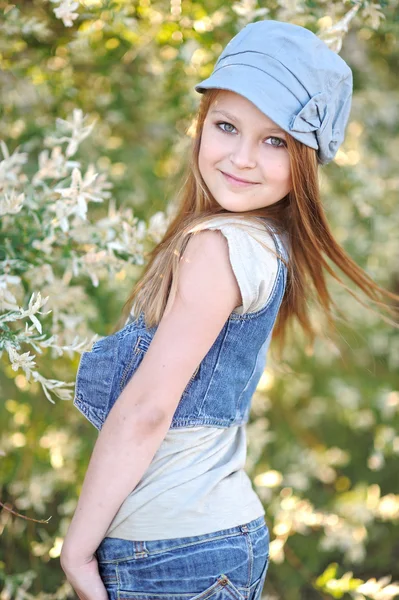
(238, 179)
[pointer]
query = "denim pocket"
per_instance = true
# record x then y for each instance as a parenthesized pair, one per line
(108, 574)
(221, 589)
(105, 370)
(94, 380)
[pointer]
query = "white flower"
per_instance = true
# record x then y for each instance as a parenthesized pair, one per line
(11, 165)
(157, 226)
(11, 204)
(53, 167)
(333, 36)
(46, 245)
(78, 194)
(247, 10)
(9, 279)
(32, 310)
(77, 131)
(381, 589)
(59, 387)
(23, 361)
(7, 300)
(62, 212)
(65, 11)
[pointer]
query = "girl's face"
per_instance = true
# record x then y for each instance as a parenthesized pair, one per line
(239, 140)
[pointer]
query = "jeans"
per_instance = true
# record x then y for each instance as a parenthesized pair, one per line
(229, 564)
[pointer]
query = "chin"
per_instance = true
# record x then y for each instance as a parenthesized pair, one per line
(233, 209)
(236, 205)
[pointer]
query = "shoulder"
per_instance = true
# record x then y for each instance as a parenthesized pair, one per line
(240, 231)
(206, 293)
(205, 270)
(252, 255)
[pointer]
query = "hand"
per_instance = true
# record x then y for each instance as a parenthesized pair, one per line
(85, 579)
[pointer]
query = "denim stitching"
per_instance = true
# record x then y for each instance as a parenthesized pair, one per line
(253, 315)
(233, 593)
(250, 554)
(208, 593)
(125, 372)
(77, 374)
(137, 350)
(213, 371)
(95, 416)
(257, 589)
(178, 547)
(118, 582)
(249, 381)
(214, 421)
(190, 381)
(172, 548)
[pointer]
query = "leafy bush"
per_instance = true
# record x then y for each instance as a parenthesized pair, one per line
(117, 79)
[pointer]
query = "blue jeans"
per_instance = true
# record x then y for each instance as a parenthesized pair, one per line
(229, 564)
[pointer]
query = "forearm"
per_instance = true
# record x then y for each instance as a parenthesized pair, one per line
(124, 449)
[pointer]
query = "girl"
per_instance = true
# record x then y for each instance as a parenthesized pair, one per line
(167, 510)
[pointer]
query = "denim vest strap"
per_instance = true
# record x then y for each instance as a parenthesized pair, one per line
(218, 393)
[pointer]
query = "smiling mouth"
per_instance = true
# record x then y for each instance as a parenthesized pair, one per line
(237, 180)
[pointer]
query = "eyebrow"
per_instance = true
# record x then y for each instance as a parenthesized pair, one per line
(233, 118)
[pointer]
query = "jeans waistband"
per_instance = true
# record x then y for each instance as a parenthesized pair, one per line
(114, 549)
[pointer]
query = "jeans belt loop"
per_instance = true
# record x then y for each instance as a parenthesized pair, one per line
(139, 549)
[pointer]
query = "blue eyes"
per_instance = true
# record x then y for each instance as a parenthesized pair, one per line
(280, 142)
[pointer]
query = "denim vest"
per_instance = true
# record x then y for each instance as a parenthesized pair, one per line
(218, 393)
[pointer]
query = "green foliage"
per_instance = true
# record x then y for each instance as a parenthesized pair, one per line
(323, 442)
(337, 587)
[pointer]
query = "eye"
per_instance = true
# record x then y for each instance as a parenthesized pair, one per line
(224, 123)
(277, 142)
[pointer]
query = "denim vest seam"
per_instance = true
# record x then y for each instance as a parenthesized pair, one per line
(137, 351)
(204, 398)
(129, 364)
(218, 422)
(122, 333)
(250, 377)
(78, 371)
(88, 412)
(193, 377)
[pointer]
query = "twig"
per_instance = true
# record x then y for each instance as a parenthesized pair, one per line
(22, 516)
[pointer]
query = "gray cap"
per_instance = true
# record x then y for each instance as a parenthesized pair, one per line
(293, 78)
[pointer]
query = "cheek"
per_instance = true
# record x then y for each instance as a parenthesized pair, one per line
(212, 148)
(281, 171)
(203, 160)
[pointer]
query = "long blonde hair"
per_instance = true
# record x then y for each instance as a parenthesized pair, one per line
(300, 215)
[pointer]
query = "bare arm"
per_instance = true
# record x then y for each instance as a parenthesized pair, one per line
(141, 417)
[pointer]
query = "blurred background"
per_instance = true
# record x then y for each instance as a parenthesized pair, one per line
(323, 435)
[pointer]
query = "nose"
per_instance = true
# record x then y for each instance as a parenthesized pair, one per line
(243, 155)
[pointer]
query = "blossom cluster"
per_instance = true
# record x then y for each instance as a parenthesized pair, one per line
(49, 242)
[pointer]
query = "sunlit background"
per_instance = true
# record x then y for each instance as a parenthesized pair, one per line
(97, 105)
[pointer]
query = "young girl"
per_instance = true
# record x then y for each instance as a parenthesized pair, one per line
(167, 510)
